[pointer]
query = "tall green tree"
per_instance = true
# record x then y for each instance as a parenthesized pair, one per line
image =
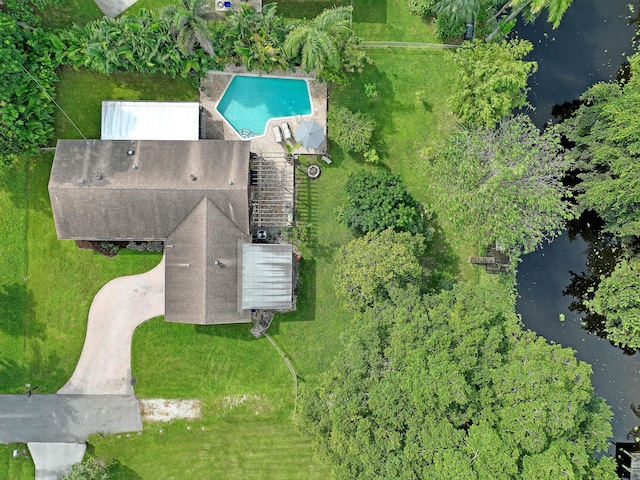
(505, 185)
(458, 10)
(368, 267)
(256, 39)
(450, 386)
(352, 131)
(492, 81)
(189, 25)
(532, 8)
(617, 299)
(605, 133)
(321, 41)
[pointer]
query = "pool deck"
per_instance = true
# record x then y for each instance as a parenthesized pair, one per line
(213, 87)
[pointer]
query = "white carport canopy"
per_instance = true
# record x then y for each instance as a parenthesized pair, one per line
(267, 276)
(150, 120)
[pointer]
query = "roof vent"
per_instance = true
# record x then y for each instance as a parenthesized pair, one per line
(230, 182)
(130, 152)
(98, 176)
(193, 178)
(82, 180)
(135, 167)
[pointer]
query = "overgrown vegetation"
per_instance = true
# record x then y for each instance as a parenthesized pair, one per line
(490, 17)
(352, 131)
(368, 268)
(492, 81)
(27, 81)
(377, 201)
(505, 186)
(450, 386)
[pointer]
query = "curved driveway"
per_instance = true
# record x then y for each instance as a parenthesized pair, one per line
(113, 8)
(117, 309)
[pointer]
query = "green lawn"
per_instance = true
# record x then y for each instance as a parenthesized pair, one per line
(66, 14)
(257, 439)
(373, 20)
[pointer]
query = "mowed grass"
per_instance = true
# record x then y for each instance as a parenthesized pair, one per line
(409, 130)
(70, 12)
(13, 272)
(373, 20)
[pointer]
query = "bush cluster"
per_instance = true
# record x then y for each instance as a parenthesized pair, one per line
(377, 201)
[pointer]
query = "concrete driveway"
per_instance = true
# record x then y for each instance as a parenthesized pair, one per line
(113, 8)
(118, 308)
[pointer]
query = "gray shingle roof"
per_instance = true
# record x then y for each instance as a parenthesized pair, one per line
(202, 268)
(193, 194)
(99, 192)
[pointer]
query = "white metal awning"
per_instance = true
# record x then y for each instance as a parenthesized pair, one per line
(150, 120)
(267, 276)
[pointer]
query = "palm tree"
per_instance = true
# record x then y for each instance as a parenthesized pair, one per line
(189, 24)
(556, 9)
(320, 41)
(458, 10)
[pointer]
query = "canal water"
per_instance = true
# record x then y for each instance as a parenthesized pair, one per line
(591, 44)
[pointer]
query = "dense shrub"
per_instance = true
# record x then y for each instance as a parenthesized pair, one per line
(146, 246)
(447, 27)
(138, 43)
(377, 201)
(351, 130)
(421, 7)
(26, 110)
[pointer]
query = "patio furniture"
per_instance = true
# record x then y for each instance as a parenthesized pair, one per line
(310, 134)
(277, 134)
(285, 131)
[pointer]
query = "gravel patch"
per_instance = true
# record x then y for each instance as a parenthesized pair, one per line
(163, 410)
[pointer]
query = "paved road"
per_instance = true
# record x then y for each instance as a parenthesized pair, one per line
(66, 418)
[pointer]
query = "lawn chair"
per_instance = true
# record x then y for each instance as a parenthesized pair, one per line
(277, 134)
(285, 131)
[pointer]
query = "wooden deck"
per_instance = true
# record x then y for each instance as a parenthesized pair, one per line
(494, 261)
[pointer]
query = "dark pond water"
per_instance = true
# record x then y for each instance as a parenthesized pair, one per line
(590, 45)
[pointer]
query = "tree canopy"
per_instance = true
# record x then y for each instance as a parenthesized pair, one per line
(377, 201)
(189, 25)
(505, 185)
(368, 267)
(492, 81)
(617, 299)
(352, 131)
(320, 42)
(450, 386)
(27, 80)
(605, 133)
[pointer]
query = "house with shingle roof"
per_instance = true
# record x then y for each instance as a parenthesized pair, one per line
(193, 195)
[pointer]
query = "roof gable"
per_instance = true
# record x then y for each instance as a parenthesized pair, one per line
(142, 190)
(202, 268)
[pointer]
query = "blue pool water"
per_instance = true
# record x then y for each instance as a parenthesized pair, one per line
(250, 102)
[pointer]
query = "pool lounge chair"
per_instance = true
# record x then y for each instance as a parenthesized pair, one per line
(277, 134)
(285, 131)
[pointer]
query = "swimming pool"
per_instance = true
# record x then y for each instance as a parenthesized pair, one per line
(250, 102)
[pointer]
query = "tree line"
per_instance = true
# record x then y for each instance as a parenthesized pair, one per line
(183, 40)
